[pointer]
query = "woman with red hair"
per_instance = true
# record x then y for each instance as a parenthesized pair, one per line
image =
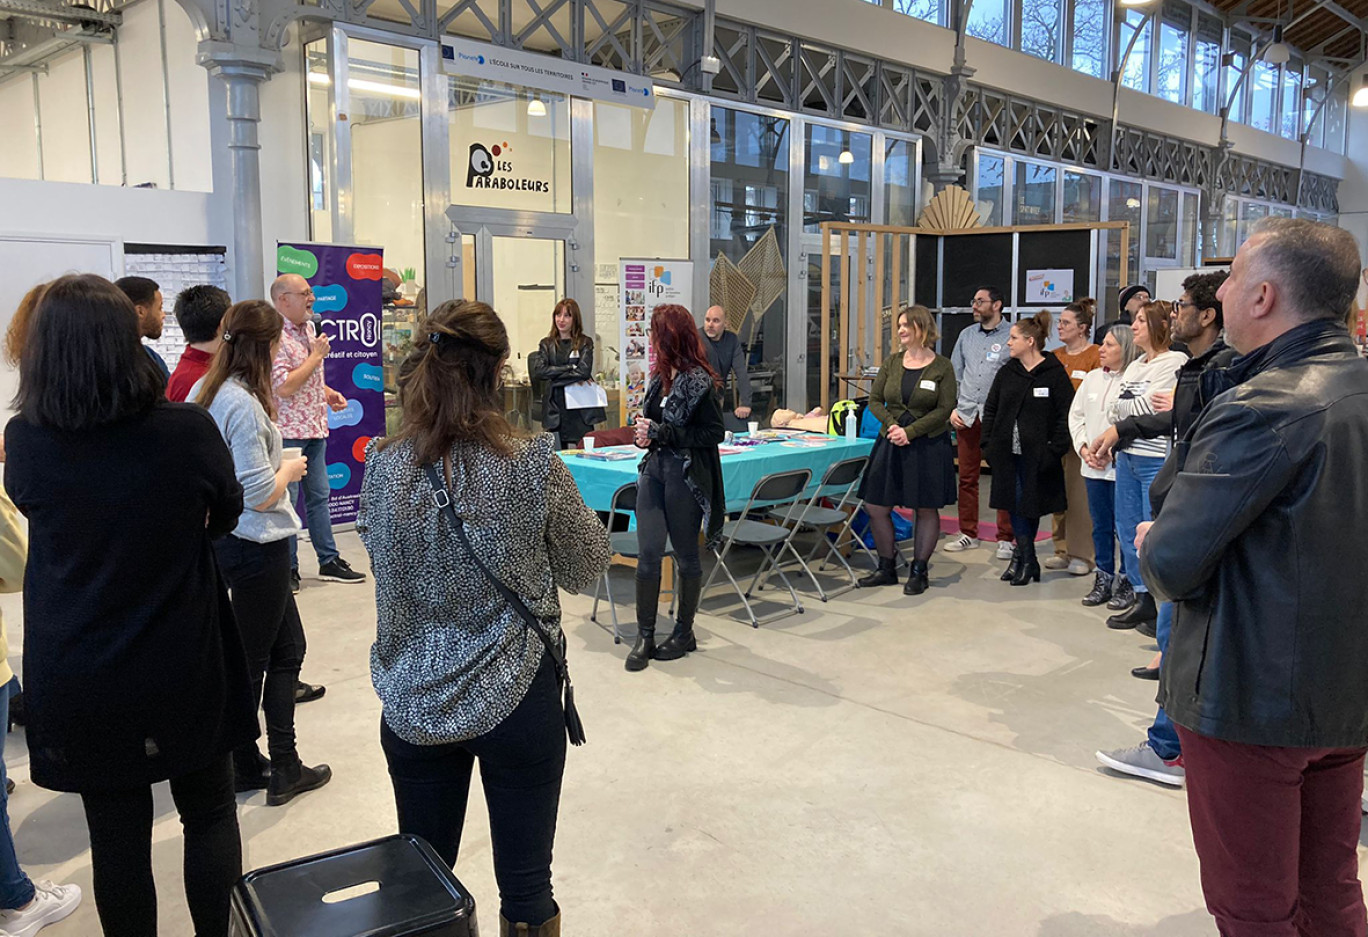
(680, 483)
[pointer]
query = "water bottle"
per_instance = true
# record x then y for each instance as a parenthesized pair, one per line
(851, 430)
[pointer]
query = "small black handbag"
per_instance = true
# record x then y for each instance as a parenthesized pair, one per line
(574, 728)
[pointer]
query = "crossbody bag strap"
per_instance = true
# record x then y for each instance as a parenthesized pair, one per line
(442, 499)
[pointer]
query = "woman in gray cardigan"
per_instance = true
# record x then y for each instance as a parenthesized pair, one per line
(255, 557)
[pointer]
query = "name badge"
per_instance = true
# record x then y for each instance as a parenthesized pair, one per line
(1079, 375)
(1042, 391)
(927, 385)
(993, 356)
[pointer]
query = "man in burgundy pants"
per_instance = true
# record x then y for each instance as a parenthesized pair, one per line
(1265, 672)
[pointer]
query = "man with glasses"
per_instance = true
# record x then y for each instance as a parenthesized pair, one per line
(979, 351)
(1197, 321)
(302, 402)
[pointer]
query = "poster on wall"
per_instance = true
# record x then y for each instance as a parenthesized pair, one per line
(346, 283)
(644, 284)
(1049, 286)
(535, 70)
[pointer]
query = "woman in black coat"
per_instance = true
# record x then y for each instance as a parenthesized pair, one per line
(1025, 437)
(564, 357)
(134, 670)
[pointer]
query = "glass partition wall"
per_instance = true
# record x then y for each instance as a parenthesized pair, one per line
(1164, 220)
(398, 151)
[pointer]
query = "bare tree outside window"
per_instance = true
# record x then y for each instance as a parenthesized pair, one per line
(1090, 37)
(988, 21)
(1040, 20)
(929, 10)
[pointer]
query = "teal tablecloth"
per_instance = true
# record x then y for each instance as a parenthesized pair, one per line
(598, 480)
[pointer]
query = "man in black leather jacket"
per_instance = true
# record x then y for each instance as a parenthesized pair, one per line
(1255, 545)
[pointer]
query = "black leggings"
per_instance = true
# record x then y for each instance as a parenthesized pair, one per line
(120, 825)
(925, 534)
(665, 505)
(522, 760)
(259, 576)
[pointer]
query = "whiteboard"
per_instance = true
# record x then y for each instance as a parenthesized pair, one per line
(27, 260)
(1168, 282)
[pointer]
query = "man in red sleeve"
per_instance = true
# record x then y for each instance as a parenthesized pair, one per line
(199, 310)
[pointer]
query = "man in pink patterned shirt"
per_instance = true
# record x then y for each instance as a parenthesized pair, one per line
(302, 402)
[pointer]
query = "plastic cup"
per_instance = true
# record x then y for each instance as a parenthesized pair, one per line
(588, 443)
(753, 427)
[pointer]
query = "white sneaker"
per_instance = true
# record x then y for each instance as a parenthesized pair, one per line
(1079, 567)
(960, 543)
(1364, 803)
(1056, 562)
(1005, 549)
(1141, 761)
(50, 904)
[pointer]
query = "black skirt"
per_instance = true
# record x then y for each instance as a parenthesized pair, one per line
(920, 474)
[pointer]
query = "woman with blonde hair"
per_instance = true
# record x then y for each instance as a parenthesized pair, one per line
(1026, 433)
(255, 557)
(913, 462)
(472, 525)
(1153, 373)
(1089, 416)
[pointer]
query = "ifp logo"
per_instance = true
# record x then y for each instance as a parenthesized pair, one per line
(662, 275)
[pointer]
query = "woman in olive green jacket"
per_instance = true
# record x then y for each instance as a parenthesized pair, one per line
(913, 463)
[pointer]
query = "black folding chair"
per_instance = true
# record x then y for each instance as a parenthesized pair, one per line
(839, 482)
(771, 491)
(622, 543)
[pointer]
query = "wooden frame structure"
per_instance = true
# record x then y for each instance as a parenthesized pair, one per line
(888, 240)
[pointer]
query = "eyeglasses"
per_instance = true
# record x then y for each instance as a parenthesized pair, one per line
(1179, 304)
(981, 302)
(306, 294)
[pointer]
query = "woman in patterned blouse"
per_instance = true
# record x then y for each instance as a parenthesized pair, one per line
(458, 672)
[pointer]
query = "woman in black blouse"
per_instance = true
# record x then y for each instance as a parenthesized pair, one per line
(565, 357)
(913, 463)
(134, 669)
(680, 482)
(1025, 437)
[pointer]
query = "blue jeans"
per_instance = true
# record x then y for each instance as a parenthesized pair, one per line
(1134, 475)
(1163, 737)
(316, 490)
(15, 888)
(1102, 508)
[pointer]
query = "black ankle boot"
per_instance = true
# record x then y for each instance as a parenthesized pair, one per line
(647, 603)
(885, 575)
(1143, 610)
(681, 641)
(1014, 566)
(1030, 565)
(917, 579)
(251, 772)
(290, 778)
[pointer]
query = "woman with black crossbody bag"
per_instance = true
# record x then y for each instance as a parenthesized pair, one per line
(471, 528)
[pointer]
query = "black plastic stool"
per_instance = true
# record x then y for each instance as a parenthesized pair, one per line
(392, 887)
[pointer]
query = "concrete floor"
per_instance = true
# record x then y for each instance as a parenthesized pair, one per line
(879, 764)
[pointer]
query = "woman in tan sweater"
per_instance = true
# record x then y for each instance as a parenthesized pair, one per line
(1073, 548)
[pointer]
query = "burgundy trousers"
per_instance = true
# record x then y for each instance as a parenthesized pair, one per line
(970, 444)
(1276, 831)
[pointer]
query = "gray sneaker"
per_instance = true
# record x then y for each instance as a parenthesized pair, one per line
(1142, 762)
